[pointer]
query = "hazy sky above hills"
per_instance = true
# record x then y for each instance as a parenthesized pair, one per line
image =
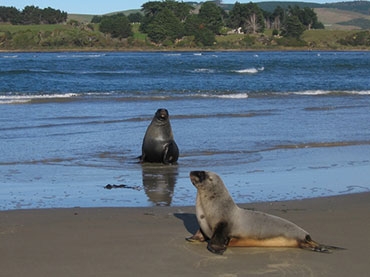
(98, 7)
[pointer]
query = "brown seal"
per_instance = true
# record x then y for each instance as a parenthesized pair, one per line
(223, 223)
(159, 145)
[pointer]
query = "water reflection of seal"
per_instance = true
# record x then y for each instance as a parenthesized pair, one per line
(223, 223)
(159, 182)
(159, 145)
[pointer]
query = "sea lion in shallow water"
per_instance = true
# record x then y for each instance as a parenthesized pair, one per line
(159, 145)
(222, 223)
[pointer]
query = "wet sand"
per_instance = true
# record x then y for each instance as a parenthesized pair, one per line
(151, 242)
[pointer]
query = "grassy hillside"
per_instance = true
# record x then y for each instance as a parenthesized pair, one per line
(336, 19)
(84, 18)
(350, 15)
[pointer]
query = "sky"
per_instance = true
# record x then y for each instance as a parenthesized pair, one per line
(99, 7)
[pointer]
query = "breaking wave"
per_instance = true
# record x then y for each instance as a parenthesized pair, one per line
(18, 98)
(22, 99)
(252, 70)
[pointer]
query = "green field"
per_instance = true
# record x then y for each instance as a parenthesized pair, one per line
(44, 27)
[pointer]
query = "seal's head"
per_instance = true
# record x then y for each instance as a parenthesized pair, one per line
(204, 179)
(162, 115)
(197, 177)
(211, 186)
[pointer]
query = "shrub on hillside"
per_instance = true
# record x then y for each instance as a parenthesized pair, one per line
(358, 39)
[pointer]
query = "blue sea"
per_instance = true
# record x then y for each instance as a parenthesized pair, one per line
(274, 126)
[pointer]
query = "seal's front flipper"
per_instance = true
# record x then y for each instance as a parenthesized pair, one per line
(310, 244)
(219, 241)
(171, 153)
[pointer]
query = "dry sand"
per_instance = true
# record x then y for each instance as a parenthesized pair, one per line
(151, 242)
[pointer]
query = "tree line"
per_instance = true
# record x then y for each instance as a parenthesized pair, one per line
(31, 15)
(168, 21)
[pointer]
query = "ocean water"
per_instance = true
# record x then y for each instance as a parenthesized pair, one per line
(273, 125)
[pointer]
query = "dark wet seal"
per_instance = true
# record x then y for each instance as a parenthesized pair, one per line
(109, 186)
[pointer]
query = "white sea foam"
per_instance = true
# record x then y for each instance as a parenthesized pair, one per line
(325, 92)
(226, 96)
(247, 70)
(312, 92)
(10, 56)
(363, 92)
(173, 54)
(21, 99)
(234, 96)
(81, 55)
(251, 70)
(204, 70)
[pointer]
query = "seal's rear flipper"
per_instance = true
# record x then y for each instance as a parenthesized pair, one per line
(140, 159)
(309, 244)
(197, 237)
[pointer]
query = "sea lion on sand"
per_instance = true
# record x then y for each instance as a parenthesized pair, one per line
(159, 145)
(223, 223)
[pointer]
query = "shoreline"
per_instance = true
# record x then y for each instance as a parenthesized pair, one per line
(151, 241)
(108, 50)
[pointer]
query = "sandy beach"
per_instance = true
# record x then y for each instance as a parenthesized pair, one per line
(151, 242)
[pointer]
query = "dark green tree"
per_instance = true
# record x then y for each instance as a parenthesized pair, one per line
(236, 19)
(180, 9)
(195, 27)
(117, 25)
(135, 17)
(10, 14)
(165, 26)
(306, 16)
(277, 18)
(31, 15)
(52, 16)
(212, 17)
(96, 19)
(247, 16)
(152, 8)
(293, 27)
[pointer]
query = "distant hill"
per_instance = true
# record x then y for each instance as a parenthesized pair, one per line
(336, 19)
(362, 7)
(270, 6)
(350, 15)
(345, 15)
(85, 18)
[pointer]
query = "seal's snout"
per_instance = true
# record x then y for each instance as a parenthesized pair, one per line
(198, 176)
(162, 114)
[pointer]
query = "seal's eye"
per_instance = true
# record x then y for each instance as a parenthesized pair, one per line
(199, 175)
(202, 176)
